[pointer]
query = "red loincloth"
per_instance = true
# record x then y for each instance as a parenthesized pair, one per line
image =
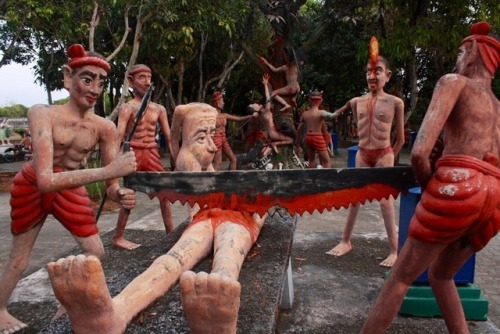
(371, 156)
(29, 207)
(462, 200)
(220, 140)
(316, 141)
(148, 158)
(219, 216)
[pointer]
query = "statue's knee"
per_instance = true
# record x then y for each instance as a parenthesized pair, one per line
(436, 274)
(18, 266)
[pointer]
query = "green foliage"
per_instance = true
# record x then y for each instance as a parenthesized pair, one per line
(14, 111)
(418, 37)
(95, 190)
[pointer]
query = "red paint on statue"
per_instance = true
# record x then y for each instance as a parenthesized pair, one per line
(374, 53)
(260, 203)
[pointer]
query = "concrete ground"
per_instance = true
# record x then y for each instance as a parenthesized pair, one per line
(332, 295)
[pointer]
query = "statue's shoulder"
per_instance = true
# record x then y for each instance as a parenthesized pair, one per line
(41, 110)
(451, 78)
(395, 99)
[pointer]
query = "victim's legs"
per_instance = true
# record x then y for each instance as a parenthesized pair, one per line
(70, 278)
(211, 301)
(22, 245)
(79, 284)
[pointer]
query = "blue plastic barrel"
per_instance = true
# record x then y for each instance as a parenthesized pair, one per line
(413, 136)
(351, 156)
(335, 141)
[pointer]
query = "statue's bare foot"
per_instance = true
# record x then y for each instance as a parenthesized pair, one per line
(211, 302)
(9, 324)
(124, 243)
(79, 284)
(341, 249)
(389, 261)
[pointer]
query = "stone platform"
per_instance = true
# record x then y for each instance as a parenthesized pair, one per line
(261, 278)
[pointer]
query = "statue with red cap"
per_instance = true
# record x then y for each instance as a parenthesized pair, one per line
(312, 121)
(53, 182)
(459, 211)
(143, 141)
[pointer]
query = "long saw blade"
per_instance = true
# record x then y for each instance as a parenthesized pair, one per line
(297, 190)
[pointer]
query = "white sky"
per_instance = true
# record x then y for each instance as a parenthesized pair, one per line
(17, 87)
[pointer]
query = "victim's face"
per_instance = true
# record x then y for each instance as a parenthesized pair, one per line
(87, 84)
(200, 129)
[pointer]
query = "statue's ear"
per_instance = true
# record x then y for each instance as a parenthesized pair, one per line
(67, 75)
(388, 73)
(472, 54)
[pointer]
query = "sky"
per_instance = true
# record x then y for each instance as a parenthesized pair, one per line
(17, 87)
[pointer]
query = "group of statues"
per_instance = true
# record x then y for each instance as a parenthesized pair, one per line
(457, 216)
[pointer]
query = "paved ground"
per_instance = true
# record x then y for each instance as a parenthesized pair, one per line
(312, 304)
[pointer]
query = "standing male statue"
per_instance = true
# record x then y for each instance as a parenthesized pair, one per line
(459, 211)
(144, 144)
(375, 113)
(62, 137)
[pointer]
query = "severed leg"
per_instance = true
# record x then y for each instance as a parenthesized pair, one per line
(210, 301)
(79, 284)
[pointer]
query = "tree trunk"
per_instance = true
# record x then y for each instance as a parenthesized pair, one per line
(180, 85)
(132, 60)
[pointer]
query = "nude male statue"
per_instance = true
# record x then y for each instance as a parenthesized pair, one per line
(229, 234)
(144, 144)
(459, 211)
(266, 116)
(375, 113)
(62, 136)
(291, 71)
